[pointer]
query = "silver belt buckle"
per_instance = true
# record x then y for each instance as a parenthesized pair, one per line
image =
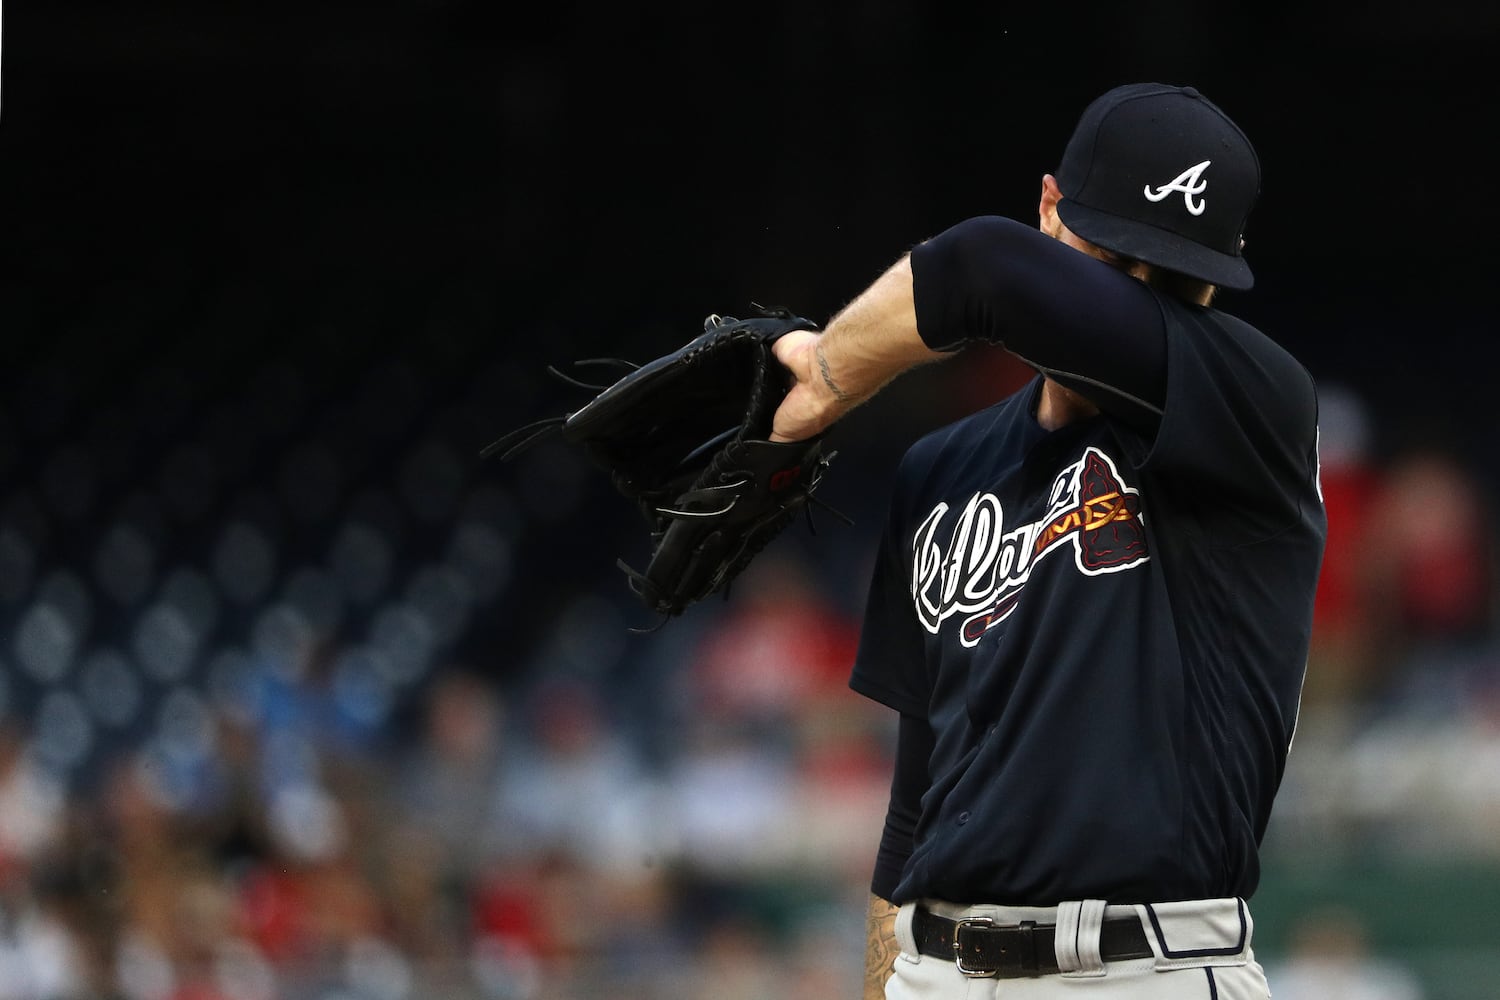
(958, 959)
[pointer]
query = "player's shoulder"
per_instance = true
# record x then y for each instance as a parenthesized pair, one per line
(1237, 340)
(1220, 323)
(1218, 354)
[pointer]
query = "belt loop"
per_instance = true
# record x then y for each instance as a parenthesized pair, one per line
(906, 938)
(1076, 942)
(1065, 939)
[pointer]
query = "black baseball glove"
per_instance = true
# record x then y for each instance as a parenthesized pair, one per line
(685, 437)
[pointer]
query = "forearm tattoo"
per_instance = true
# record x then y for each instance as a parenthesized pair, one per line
(880, 947)
(833, 387)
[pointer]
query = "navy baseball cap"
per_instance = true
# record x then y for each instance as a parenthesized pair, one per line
(1160, 174)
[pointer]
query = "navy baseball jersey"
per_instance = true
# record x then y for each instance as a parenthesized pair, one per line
(1104, 627)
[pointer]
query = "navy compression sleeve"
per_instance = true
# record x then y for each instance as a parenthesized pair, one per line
(914, 745)
(1079, 320)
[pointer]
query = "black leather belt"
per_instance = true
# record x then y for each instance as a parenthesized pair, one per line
(982, 947)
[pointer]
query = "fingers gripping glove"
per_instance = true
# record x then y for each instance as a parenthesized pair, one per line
(686, 438)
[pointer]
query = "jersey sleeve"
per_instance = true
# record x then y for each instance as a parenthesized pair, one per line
(1240, 421)
(1212, 402)
(890, 665)
(909, 782)
(1083, 322)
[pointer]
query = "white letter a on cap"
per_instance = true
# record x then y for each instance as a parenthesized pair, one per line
(1190, 182)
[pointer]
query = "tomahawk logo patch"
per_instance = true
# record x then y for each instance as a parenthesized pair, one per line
(981, 571)
(1190, 182)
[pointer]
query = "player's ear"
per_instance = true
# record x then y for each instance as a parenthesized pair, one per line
(1047, 210)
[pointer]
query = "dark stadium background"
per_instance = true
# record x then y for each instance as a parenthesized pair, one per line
(290, 266)
(197, 195)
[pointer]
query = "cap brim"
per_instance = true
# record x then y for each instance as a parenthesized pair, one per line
(1142, 241)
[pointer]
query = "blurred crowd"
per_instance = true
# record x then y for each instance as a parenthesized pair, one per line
(1399, 739)
(557, 833)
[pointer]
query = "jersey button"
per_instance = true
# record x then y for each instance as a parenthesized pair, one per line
(963, 817)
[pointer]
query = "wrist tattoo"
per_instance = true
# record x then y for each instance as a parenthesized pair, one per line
(833, 387)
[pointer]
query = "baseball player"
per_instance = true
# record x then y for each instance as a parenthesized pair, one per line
(1092, 601)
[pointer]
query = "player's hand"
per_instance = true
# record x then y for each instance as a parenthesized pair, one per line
(809, 408)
